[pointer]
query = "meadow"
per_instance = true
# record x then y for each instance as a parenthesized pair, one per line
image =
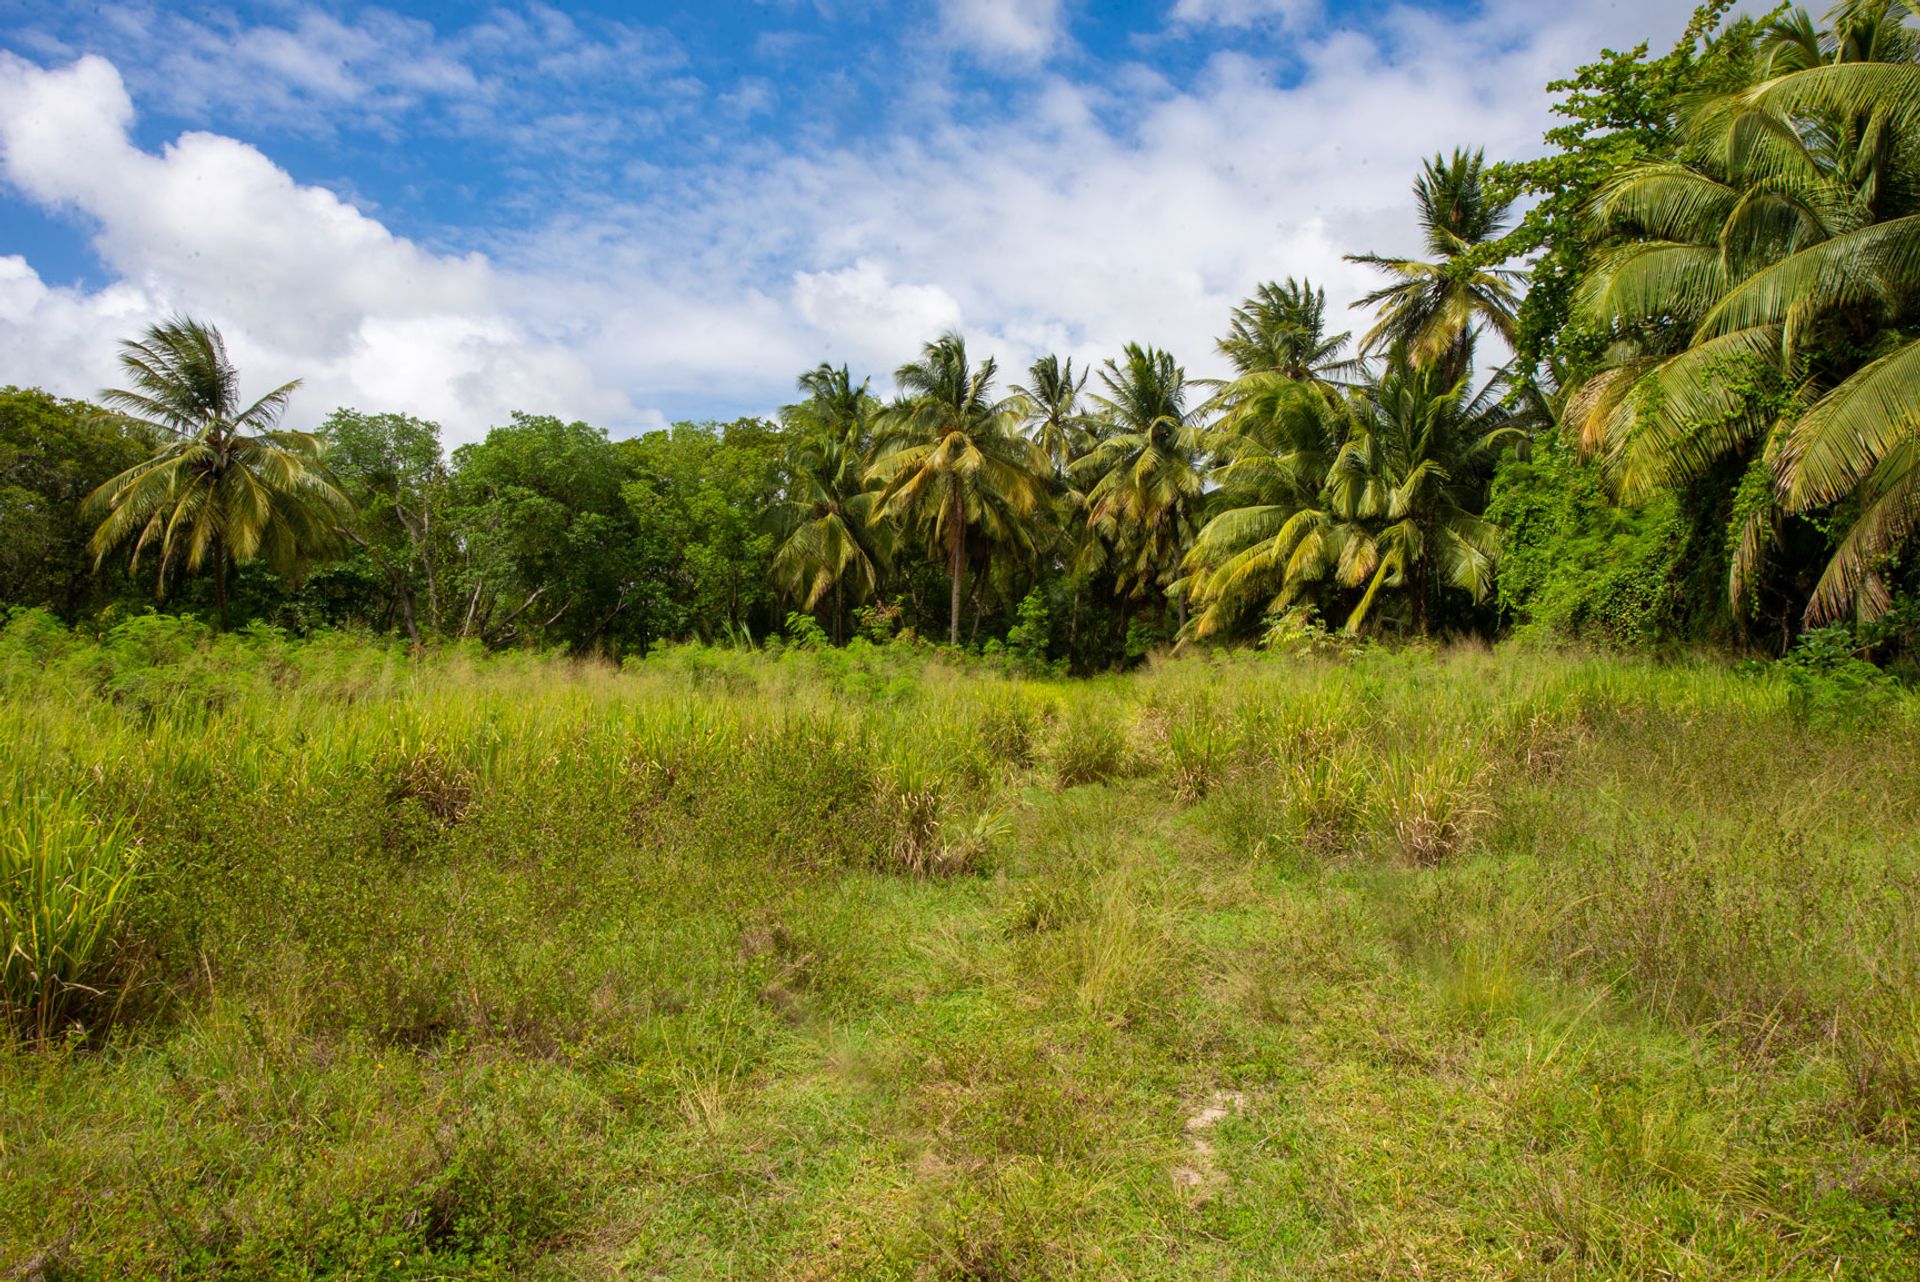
(1340, 963)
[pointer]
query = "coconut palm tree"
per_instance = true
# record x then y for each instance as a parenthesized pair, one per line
(1435, 308)
(1058, 425)
(1377, 490)
(951, 461)
(1273, 448)
(1282, 330)
(828, 541)
(226, 486)
(1762, 297)
(1143, 481)
(1413, 478)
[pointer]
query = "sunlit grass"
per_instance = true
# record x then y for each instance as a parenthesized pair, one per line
(864, 963)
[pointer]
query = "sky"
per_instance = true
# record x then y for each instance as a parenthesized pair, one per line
(635, 214)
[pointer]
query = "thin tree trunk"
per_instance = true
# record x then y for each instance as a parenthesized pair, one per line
(956, 565)
(220, 584)
(473, 603)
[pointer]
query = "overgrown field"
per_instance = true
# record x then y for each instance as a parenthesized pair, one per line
(325, 963)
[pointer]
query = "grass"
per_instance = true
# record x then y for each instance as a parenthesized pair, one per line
(861, 964)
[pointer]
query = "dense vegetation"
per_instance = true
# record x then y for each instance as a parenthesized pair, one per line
(735, 852)
(1706, 435)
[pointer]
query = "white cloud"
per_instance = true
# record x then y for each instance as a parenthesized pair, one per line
(864, 315)
(298, 279)
(1098, 212)
(1243, 13)
(1021, 29)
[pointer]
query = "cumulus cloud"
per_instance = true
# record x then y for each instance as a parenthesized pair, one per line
(1023, 29)
(1094, 211)
(864, 314)
(298, 278)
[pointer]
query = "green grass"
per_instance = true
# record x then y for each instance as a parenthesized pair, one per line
(859, 964)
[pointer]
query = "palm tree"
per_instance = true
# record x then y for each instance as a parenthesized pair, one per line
(951, 460)
(1859, 31)
(225, 487)
(1143, 482)
(828, 537)
(1274, 445)
(1378, 489)
(1434, 309)
(1053, 411)
(1413, 477)
(1282, 330)
(1761, 297)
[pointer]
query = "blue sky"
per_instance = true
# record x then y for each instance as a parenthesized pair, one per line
(634, 213)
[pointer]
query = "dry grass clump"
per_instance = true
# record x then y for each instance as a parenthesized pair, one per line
(1199, 750)
(1429, 800)
(443, 788)
(1088, 746)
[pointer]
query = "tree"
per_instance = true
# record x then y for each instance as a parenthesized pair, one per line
(225, 486)
(1760, 292)
(1282, 330)
(951, 461)
(1273, 448)
(827, 536)
(53, 453)
(701, 494)
(545, 532)
(1053, 412)
(391, 468)
(1143, 481)
(1412, 480)
(1398, 509)
(1434, 309)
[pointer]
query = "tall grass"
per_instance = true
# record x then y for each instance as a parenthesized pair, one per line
(870, 962)
(65, 879)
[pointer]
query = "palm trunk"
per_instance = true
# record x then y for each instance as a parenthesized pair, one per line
(220, 585)
(956, 565)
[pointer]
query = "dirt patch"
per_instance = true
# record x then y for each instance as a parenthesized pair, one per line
(1198, 1174)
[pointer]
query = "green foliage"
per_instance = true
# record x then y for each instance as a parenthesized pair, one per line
(1576, 566)
(53, 454)
(1830, 684)
(1623, 108)
(1031, 636)
(805, 633)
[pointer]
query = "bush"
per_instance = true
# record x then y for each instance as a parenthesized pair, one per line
(1829, 685)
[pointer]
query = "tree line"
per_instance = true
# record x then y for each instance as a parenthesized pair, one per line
(1707, 429)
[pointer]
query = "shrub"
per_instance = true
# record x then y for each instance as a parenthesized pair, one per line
(1829, 685)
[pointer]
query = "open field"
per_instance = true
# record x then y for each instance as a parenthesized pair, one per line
(858, 964)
